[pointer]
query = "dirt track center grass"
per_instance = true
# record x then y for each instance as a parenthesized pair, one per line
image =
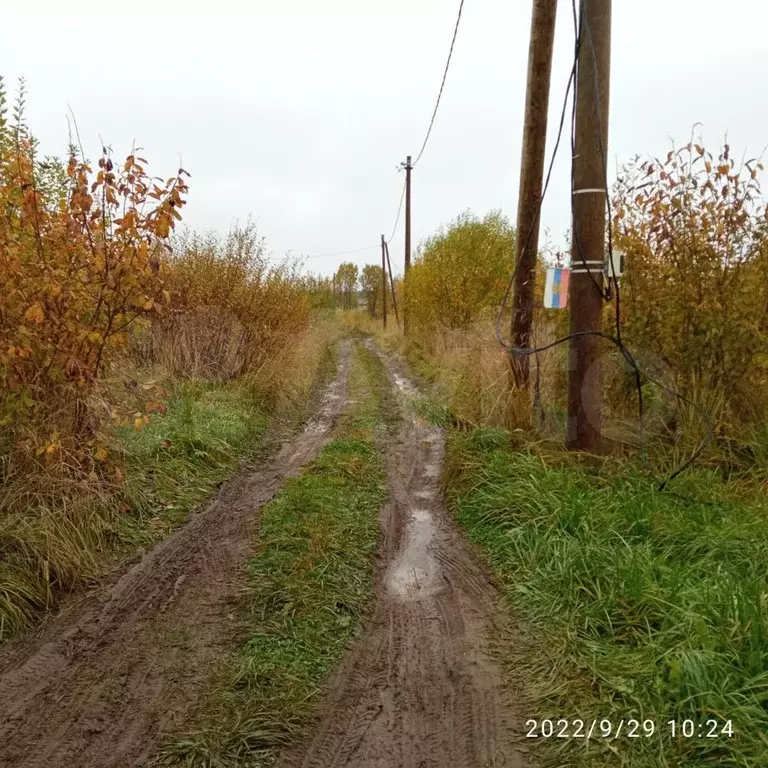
(641, 604)
(306, 591)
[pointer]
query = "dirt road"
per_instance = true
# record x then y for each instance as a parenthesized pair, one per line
(108, 678)
(419, 689)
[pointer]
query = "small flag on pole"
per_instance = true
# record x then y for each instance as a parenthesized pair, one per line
(556, 288)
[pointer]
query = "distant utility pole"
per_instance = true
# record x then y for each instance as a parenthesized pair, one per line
(589, 221)
(392, 283)
(531, 180)
(408, 168)
(384, 281)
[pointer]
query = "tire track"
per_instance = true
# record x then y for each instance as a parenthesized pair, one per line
(107, 679)
(420, 688)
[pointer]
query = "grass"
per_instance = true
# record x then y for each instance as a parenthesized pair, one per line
(307, 590)
(54, 537)
(429, 408)
(176, 462)
(640, 604)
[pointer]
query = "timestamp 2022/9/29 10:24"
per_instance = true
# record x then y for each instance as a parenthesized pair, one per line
(610, 729)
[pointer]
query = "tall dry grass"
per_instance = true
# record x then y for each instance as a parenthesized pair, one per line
(468, 371)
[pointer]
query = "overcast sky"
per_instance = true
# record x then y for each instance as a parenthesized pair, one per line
(298, 112)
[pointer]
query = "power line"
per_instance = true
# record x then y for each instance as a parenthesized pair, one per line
(342, 253)
(399, 211)
(421, 152)
(367, 247)
(442, 85)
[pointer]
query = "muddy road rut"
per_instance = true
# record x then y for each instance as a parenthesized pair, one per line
(419, 689)
(107, 679)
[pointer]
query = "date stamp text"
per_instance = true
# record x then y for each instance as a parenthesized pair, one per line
(608, 729)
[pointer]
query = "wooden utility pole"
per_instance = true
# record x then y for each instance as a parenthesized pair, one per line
(531, 180)
(408, 168)
(384, 282)
(392, 283)
(589, 222)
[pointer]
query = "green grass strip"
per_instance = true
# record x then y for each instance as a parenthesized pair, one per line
(176, 462)
(307, 591)
(642, 605)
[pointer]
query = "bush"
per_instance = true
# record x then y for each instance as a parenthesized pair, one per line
(460, 272)
(696, 289)
(80, 262)
(233, 312)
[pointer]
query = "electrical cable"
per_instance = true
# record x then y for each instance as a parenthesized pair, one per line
(421, 151)
(399, 211)
(342, 253)
(367, 247)
(442, 85)
(617, 341)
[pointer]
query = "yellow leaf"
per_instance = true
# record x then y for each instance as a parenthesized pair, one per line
(162, 228)
(139, 423)
(51, 449)
(34, 314)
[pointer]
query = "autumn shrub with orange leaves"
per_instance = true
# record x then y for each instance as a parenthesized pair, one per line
(106, 315)
(79, 263)
(234, 312)
(694, 227)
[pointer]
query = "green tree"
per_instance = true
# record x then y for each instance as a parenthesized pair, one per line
(371, 283)
(320, 291)
(461, 271)
(346, 283)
